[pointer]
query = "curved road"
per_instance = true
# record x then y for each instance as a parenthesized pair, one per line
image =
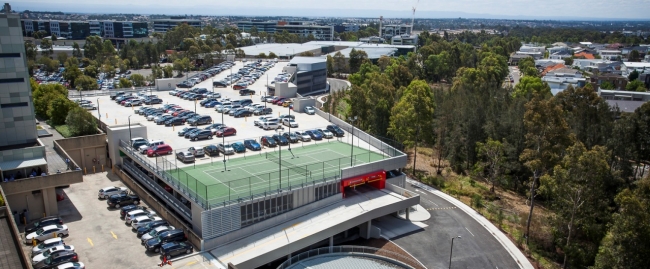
(477, 247)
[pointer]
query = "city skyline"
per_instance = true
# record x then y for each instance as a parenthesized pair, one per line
(519, 9)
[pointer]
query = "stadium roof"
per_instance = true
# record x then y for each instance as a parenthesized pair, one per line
(373, 53)
(281, 50)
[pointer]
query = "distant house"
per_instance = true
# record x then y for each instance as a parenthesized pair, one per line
(583, 55)
(559, 78)
(559, 55)
(558, 49)
(618, 81)
(515, 58)
(626, 101)
(551, 68)
(609, 54)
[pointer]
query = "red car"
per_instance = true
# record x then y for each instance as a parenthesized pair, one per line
(126, 100)
(280, 101)
(226, 132)
(177, 112)
(275, 99)
(159, 150)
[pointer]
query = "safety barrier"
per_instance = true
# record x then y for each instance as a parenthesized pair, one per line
(361, 251)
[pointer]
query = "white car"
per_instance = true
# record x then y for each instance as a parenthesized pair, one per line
(173, 92)
(142, 221)
(290, 122)
(303, 136)
(40, 257)
(47, 232)
(104, 193)
(261, 120)
(137, 213)
(47, 244)
(310, 110)
(155, 232)
(160, 116)
(89, 106)
(72, 265)
(326, 133)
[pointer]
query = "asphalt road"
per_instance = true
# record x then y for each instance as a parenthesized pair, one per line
(514, 72)
(476, 248)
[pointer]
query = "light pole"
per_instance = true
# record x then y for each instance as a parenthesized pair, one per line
(352, 120)
(451, 251)
(130, 138)
(280, 156)
(98, 113)
(289, 121)
(223, 142)
(212, 86)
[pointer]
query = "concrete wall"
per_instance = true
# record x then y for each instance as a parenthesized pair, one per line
(121, 132)
(84, 149)
(6, 211)
(299, 104)
(284, 89)
(23, 153)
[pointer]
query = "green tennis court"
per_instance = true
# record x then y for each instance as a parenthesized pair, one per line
(259, 173)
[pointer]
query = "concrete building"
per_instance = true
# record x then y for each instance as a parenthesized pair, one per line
(531, 48)
(618, 81)
(626, 101)
(388, 31)
(79, 30)
(609, 54)
(300, 28)
(260, 25)
(404, 40)
(22, 153)
(347, 27)
(164, 25)
(122, 29)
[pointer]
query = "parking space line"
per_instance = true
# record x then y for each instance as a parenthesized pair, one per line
(90, 242)
(190, 263)
(114, 236)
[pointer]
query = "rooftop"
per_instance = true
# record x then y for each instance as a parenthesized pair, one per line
(306, 60)
(373, 53)
(281, 50)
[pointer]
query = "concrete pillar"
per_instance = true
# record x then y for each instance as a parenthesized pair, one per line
(50, 207)
(345, 234)
(408, 210)
(331, 243)
(368, 226)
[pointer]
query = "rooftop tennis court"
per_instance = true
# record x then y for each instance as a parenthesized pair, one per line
(256, 174)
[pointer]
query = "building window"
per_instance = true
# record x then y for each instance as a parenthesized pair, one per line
(11, 80)
(13, 105)
(9, 55)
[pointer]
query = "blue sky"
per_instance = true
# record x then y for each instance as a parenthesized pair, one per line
(567, 9)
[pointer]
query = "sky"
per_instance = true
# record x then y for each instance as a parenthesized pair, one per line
(507, 9)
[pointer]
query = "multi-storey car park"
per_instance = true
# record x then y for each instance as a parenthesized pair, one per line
(256, 207)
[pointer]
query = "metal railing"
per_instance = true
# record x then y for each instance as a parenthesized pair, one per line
(354, 251)
(162, 193)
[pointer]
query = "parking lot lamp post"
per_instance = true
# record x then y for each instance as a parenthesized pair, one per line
(280, 156)
(213, 86)
(130, 138)
(223, 142)
(289, 107)
(195, 105)
(451, 251)
(352, 120)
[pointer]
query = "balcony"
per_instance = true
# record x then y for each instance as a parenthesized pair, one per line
(42, 182)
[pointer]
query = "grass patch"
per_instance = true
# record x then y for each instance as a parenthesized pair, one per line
(38, 127)
(63, 130)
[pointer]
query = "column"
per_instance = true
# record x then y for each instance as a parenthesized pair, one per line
(331, 243)
(407, 214)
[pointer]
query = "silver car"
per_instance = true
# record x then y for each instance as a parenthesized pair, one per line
(155, 232)
(302, 136)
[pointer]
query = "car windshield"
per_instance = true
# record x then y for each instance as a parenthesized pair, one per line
(40, 231)
(36, 224)
(153, 232)
(47, 252)
(48, 260)
(155, 240)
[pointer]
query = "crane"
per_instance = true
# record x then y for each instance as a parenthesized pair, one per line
(413, 17)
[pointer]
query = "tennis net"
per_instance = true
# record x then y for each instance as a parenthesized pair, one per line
(276, 159)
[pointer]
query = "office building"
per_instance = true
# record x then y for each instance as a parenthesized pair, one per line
(388, 31)
(164, 25)
(79, 30)
(346, 27)
(260, 25)
(300, 28)
(124, 29)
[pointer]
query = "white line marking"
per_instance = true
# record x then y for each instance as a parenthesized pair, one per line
(469, 231)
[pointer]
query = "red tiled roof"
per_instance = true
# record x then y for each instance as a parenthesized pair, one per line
(551, 68)
(584, 55)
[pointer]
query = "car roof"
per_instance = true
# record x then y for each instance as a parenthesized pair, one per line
(63, 253)
(52, 240)
(49, 227)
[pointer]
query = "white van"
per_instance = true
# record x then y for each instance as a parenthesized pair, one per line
(272, 123)
(152, 143)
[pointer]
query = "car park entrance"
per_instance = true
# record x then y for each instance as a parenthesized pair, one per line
(376, 179)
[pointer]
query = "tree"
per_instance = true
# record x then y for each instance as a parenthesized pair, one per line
(634, 56)
(46, 47)
(58, 109)
(357, 57)
(54, 38)
(272, 55)
(93, 47)
(72, 71)
(138, 80)
(30, 51)
(547, 135)
(330, 65)
(62, 57)
(493, 156)
(80, 122)
(606, 85)
(633, 76)
(568, 61)
(635, 86)
(627, 243)
(87, 83)
(577, 188)
(529, 86)
(181, 64)
(91, 71)
(168, 71)
(44, 94)
(262, 55)
(306, 54)
(125, 83)
(340, 65)
(49, 64)
(412, 116)
(76, 51)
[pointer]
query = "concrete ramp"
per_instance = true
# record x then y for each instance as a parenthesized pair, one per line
(392, 227)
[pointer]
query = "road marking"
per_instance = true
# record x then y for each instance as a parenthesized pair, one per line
(90, 242)
(469, 231)
(114, 236)
(190, 263)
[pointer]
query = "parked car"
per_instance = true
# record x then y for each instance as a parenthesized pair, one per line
(201, 134)
(129, 208)
(280, 139)
(155, 232)
(238, 147)
(47, 244)
(205, 119)
(47, 253)
(219, 84)
(72, 265)
(155, 244)
(185, 130)
(309, 110)
(314, 134)
(336, 131)
(197, 152)
(173, 249)
(106, 192)
(263, 111)
(225, 148)
(57, 259)
(326, 133)
(133, 102)
(227, 131)
(245, 92)
(185, 156)
(142, 221)
(243, 113)
(211, 150)
(160, 150)
(290, 122)
(187, 134)
(252, 144)
(303, 136)
(137, 213)
(150, 226)
(150, 144)
(47, 232)
(175, 121)
(119, 200)
(152, 101)
(291, 137)
(268, 141)
(42, 222)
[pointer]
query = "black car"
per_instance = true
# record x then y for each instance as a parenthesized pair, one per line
(189, 116)
(219, 84)
(147, 228)
(245, 92)
(173, 249)
(336, 131)
(174, 121)
(185, 130)
(202, 134)
(119, 200)
(208, 100)
(188, 133)
(280, 139)
(57, 259)
(268, 141)
(154, 244)
(211, 150)
(205, 119)
(42, 223)
(291, 137)
(183, 85)
(153, 101)
(129, 208)
(243, 113)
